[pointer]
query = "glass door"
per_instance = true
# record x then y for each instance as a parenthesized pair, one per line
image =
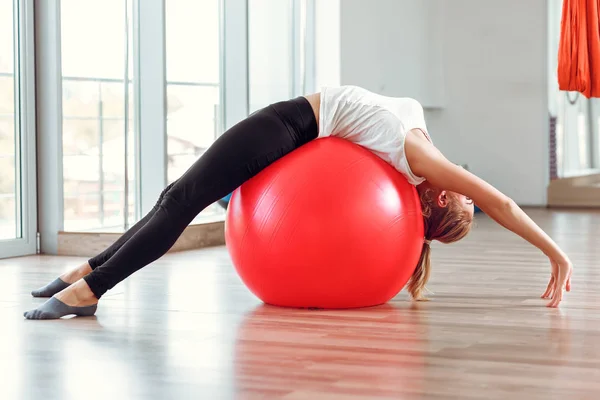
(17, 130)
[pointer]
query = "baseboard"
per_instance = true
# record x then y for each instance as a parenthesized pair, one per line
(88, 244)
(578, 191)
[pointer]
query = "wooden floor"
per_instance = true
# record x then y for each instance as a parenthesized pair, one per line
(186, 328)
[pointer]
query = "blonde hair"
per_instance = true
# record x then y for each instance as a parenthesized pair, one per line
(445, 224)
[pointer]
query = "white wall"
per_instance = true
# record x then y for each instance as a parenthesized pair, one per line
(493, 113)
(394, 47)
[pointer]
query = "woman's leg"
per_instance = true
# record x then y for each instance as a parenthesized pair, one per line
(68, 278)
(239, 154)
(101, 258)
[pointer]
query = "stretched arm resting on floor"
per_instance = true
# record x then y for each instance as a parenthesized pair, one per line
(427, 161)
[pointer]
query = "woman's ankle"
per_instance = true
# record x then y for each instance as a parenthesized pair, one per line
(76, 274)
(78, 294)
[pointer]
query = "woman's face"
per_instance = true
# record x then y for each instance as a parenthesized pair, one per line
(465, 202)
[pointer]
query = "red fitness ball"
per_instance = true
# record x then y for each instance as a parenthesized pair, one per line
(330, 225)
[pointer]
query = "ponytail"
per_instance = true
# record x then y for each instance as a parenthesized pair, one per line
(444, 224)
(419, 278)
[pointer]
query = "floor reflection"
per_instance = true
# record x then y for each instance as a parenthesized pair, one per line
(376, 351)
(187, 327)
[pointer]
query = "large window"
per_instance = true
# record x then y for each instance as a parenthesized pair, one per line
(577, 123)
(145, 88)
(193, 83)
(98, 114)
(577, 119)
(8, 205)
(17, 133)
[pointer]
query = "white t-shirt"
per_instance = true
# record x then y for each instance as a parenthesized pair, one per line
(376, 122)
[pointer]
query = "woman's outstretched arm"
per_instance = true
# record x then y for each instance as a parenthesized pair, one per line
(427, 161)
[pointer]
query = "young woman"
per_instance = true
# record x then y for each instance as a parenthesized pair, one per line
(393, 128)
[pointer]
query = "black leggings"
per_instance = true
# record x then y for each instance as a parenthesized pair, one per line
(236, 156)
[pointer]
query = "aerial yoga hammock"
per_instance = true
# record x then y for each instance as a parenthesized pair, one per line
(579, 48)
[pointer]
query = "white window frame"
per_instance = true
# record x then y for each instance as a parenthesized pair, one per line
(149, 93)
(25, 153)
(594, 124)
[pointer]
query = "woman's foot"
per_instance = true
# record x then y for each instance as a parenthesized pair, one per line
(77, 299)
(62, 282)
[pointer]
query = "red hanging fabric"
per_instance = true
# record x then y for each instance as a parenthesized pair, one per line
(579, 48)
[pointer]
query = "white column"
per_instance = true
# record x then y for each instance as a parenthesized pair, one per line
(234, 61)
(327, 43)
(49, 123)
(150, 93)
(310, 49)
